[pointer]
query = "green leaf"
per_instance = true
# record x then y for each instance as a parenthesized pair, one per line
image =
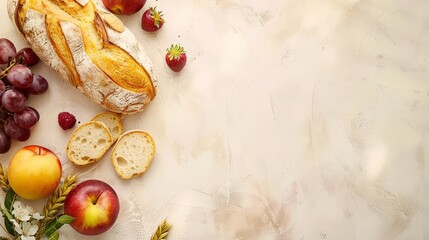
(66, 219)
(8, 204)
(9, 199)
(57, 223)
(9, 227)
(54, 236)
(6, 214)
(7, 221)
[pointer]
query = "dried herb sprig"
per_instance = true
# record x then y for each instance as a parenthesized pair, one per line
(56, 200)
(4, 183)
(162, 231)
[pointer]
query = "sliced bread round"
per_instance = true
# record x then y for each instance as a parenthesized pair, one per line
(88, 143)
(113, 121)
(133, 153)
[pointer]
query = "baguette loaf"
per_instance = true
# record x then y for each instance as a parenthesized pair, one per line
(133, 153)
(89, 48)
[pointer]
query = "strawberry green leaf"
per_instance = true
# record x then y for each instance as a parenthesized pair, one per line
(156, 16)
(175, 51)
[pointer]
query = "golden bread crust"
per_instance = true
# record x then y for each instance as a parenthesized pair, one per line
(90, 49)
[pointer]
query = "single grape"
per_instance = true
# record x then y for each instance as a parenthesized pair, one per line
(16, 132)
(37, 113)
(24, 92)
(27, 57)
(27, 118)
(7, 51)
(13, 100)
(38, 86)
(20, 76)
(5, 141)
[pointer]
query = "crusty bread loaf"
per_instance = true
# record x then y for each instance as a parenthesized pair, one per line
(88, 143)
(113, 121)
(133, 153)
(90, 49)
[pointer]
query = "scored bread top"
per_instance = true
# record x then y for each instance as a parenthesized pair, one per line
(89, 48)
(113, 121)
(133, 153)
(88, 143)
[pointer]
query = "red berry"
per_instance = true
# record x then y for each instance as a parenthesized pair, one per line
(176, 57)
(152, 20)
(66, 120)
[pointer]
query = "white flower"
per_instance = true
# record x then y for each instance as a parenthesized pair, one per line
(27, 238)
(26, 230)
(21, 212)
(16, 225)
(25, 221)
(37, 216)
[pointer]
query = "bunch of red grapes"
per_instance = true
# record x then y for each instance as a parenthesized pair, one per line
(17, 82)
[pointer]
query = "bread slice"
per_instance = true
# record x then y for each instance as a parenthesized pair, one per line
(133, 153)
(89, 142)
(113, 121)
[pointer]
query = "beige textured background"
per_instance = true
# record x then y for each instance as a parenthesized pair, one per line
(293, 120)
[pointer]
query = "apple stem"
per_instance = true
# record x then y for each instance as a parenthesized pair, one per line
(96, 199)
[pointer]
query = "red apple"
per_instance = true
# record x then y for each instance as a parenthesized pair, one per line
(94, 205)
(124, 7)
(34, 172)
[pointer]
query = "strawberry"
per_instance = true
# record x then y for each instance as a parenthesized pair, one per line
(66, 120)
(152, 20)
(176, 57)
